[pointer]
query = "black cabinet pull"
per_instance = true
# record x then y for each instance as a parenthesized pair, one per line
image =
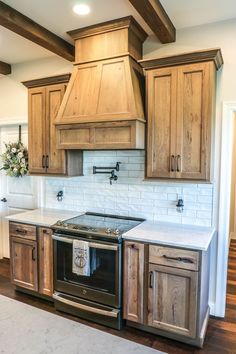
(151, 280)
(33, 254)
(47, 161)
(178, 163)
(43, 161)
(172, 160)
(21, 231)
(179, 259)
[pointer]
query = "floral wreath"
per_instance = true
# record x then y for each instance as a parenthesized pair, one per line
(15, 159)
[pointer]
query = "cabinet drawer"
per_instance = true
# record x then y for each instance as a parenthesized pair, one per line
(23, 231)
(174, 257)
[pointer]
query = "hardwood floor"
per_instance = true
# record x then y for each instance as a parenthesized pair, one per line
(221, 333)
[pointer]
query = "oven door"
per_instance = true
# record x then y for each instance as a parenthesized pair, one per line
(104, 283)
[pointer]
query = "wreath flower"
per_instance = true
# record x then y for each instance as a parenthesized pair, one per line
(15, 160)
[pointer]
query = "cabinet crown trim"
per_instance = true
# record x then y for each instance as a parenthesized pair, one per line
(58, 79)
(104, 27)
(214, 55)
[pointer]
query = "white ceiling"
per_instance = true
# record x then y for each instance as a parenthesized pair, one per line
(57, 16)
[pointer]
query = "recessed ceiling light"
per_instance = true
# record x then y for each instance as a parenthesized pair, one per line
(81, 9)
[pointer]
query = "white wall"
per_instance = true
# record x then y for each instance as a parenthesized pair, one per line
(13, 95)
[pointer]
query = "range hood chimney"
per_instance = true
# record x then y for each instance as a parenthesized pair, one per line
(103, 104)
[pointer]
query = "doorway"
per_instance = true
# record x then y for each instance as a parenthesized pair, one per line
(16, 194)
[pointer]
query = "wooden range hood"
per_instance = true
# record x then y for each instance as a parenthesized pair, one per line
(103, 104)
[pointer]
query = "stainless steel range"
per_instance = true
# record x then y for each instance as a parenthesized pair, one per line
(88, 266)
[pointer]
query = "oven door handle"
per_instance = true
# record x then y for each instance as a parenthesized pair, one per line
(91, 244)
(113, 313)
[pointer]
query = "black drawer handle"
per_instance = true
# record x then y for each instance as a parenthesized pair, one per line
(33, 254)
(151, 280)
(21, 231)
(172, 163)
(47, 161)
(179, 259)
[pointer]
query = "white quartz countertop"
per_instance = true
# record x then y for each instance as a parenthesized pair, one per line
(42, 217)
(183, 236)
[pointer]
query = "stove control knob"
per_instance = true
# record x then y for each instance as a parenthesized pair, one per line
(116, 231)
(108, 231)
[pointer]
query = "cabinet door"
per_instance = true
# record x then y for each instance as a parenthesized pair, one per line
(45, 261)
(196, 84)
(37, 126)
(23, 255)
(161, 130)
(55, 159)
(133, 281)
(172, 300)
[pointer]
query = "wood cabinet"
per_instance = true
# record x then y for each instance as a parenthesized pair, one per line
(103, 104)
(166, 291)
(23, 255)
(180, 114)
(45, 251)
(133, 281)
(172, 300)
(45, 97)
(31, 257)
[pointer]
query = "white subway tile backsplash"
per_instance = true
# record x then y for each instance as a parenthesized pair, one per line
(130, 195)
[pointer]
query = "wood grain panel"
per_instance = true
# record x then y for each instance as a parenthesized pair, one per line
(194, 120)
(161, 93)
(5, 69)
(174, 257)
(94, 95)
(23, 255)
(45, 261)
(82, 92)
(133, 281)
(56, 160)
(37, 128)
(157, 19)
(113, 94)
(113, 135)
(172, 304)
(25, 231)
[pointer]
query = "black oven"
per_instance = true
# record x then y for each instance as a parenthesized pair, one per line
(96, 297)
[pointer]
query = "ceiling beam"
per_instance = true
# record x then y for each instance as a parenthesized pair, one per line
(27, 28)
(5, 68)
(157, 19)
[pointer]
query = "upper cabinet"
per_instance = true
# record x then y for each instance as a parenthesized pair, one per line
(103, 104)
(44, 99)
(180, 112)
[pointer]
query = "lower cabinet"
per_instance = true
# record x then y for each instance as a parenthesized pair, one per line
(24, 268)
(31, 258)
(172, 300)
(133, 281)
(166, 291)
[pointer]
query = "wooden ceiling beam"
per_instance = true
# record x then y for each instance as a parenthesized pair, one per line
(27, 28)
(157, 19)
(5, 68)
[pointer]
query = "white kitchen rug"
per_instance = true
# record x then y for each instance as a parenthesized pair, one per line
(25, 329)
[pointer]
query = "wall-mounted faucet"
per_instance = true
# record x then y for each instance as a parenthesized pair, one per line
(111, 170)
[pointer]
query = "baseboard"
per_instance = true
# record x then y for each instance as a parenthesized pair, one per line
(212, 308)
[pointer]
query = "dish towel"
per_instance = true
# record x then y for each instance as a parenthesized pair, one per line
(81, 259)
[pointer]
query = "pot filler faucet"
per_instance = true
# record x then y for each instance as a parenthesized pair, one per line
(111, 171)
